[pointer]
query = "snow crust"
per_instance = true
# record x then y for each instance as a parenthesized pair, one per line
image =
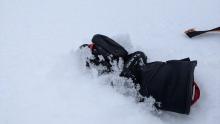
(42, 80)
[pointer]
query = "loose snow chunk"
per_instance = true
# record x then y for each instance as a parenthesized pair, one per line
(101, 58)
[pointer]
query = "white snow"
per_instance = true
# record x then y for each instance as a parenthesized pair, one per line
(42, 82)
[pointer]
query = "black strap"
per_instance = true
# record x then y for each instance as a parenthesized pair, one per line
(192, 32)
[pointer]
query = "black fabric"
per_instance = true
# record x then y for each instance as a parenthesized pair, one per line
(108, 49)
(97, 51)
(109, 45)
(170, 83)
(132, 66)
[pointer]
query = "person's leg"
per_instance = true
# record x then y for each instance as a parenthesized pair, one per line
(170, 83)
(132, 65)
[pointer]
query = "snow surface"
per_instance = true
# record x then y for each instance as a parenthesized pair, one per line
(42, 82)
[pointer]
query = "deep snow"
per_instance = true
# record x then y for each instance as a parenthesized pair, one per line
(40, 77)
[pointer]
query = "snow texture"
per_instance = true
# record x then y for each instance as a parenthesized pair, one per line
(42, 80)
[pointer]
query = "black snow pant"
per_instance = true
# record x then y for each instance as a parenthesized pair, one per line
(170, 83)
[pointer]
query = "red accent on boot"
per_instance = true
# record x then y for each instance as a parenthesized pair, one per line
(92, 46)
(196, 93)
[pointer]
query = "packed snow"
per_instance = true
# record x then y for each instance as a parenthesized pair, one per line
(43, 81)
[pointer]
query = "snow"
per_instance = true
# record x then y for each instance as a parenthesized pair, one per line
(40, 77)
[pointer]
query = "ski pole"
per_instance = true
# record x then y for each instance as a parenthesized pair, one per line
(192, 32)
